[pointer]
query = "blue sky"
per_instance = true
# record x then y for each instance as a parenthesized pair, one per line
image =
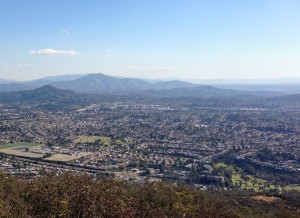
(188, 39)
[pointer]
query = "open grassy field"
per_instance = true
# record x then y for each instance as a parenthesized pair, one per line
(12, 151)
(18, 149)
(249, 181)
(105, 140)
(292, 187)
(65, 157)
(221, 165)
(225, 166)
(86, 139)
(19, 144)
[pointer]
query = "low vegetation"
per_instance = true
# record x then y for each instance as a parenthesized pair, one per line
(81, 196)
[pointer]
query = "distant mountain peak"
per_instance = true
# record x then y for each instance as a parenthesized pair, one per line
(46, 88)
(50, 89)
(65, 77)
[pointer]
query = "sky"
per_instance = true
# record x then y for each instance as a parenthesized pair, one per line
(187, 39)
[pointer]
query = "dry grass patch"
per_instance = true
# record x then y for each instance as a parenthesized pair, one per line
(265, 198)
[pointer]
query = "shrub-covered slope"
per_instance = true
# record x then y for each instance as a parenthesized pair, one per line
(81, 196)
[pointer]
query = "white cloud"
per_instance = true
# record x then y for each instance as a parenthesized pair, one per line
(108, 51)
(23, 65)
(49, 51)
(65, 32)
(153, 69)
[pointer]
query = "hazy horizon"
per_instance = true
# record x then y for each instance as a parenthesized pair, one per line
(237, 81)
(188, 40)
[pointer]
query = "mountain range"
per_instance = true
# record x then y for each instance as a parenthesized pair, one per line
(92, 83)
(51, 98)
(102, 84)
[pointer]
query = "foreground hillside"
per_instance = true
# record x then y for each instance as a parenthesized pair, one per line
(80, 196)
